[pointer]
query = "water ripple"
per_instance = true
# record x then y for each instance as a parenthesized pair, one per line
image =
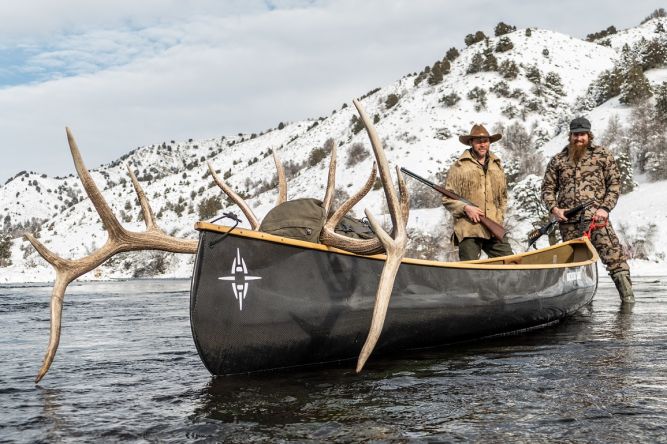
(127, 370)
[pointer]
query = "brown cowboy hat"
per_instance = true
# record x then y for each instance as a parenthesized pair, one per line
(478, 131)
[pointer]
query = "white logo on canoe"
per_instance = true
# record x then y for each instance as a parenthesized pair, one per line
(239, 278)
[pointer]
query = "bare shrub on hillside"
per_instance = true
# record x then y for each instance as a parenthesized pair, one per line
(432, 246)
(355, 154)
(156, 263)
(521, 148)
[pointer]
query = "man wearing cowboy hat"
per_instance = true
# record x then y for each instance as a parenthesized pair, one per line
(477, 176)
(580, 172)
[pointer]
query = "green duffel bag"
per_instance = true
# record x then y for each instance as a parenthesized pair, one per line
(300, 219)
(303, 219)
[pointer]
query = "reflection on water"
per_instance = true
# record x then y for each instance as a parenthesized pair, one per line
(127, 370)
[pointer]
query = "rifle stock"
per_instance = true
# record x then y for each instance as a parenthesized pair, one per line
(497, 230)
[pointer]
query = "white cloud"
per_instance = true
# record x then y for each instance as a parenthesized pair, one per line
(144, 72)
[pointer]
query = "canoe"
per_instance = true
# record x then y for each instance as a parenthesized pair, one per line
(261, 302)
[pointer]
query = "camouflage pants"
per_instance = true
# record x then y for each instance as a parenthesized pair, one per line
(605, 242)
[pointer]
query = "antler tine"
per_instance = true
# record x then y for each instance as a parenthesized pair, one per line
(352, 201)
(57, 296)
(331, 181)
(395, 247)
(119, 240)
(404, 196)
(282, 182)
(358, 246)
(395, 251)
(238, 200)
(113, 227)
(385, 176)
(149, 217)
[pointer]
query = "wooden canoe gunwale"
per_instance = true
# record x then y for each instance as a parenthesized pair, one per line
(513, 261)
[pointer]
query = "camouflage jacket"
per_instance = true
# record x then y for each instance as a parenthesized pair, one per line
(595, 177)
(487, 190)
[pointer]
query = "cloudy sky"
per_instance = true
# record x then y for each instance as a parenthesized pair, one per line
(127, 73)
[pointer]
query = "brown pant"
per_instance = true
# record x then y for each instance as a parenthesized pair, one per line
(470, 248)
(605, 242)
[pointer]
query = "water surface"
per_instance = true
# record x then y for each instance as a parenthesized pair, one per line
(127, 370)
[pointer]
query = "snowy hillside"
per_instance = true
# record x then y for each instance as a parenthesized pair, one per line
(539, 82)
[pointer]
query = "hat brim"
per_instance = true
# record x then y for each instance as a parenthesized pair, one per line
(467, 138)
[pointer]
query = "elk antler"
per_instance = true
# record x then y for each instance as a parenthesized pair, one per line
(359, 246)
(282, 182)
(395, 245)
(238, 200)
(120, 240)
(333, 239)
(331, 181)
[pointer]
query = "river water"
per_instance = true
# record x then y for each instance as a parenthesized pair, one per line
(127, 370)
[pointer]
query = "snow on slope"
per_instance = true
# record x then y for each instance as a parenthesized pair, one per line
(419, 132)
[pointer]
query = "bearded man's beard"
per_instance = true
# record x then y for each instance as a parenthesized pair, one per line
(576, 152)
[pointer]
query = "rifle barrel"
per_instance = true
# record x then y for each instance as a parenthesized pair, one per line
(494, 227)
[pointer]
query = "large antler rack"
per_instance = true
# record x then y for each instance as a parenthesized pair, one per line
(122, 240)
(119, 240)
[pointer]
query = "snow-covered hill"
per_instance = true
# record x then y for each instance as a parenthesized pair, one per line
(418, 121)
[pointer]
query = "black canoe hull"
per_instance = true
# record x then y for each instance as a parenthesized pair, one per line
(259, 302)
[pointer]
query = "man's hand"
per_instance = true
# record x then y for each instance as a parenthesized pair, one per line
(600, 215)
(559, 213)
(473, 213)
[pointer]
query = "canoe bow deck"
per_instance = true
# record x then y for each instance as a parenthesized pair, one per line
(261, 302)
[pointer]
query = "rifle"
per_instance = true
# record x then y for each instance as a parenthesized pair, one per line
(497, 230)
(534, 235)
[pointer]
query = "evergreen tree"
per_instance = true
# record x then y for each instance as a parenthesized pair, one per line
(438, 71)
(609, 85)
(661, 104)
(653, 53)
(490, 61)
(476, 64)
(554, 83)
(660, 12)
(5, 250)
(624, 164)
(533, 74)
(503, 28)
(478, 96)
(392, 99)
(452, 54)
(501, 89)
(504, 44)
(635, 88)
(471, 39)
(641, 134)
(450, 99)
(508, 69)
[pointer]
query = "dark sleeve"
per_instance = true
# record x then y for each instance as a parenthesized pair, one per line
(612, 182)
(550, 185)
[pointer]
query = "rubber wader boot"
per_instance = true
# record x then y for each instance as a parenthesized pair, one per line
(624, 286)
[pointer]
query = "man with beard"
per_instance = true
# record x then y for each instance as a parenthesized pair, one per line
(582, 172)
(477, 176)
